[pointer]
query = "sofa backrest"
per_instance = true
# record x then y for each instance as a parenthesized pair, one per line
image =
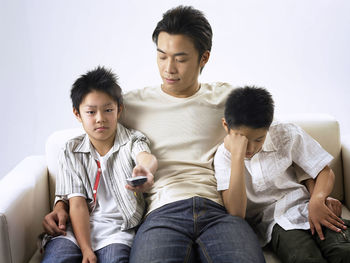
(322, 127)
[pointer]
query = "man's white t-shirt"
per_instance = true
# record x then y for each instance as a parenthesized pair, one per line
(184, 134)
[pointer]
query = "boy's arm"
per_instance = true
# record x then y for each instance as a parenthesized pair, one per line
(333, 204)
(235, 197)
(146, 165)
(79, 215)
(319, 213)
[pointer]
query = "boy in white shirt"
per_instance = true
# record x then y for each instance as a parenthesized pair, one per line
(255, 174)
(93, 169)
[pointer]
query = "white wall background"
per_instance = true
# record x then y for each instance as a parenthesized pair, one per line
(298, 49)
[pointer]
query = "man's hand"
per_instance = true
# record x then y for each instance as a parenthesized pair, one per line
(141, 170)
(55, 222)
(321, 215)
(236, 144)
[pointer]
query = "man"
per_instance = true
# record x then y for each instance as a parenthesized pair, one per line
(186, 219)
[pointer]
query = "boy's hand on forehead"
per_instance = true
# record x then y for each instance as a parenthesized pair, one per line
(236, 144)
(140, 170)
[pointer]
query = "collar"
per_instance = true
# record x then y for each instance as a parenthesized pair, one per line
(268, 145)
(122, 136)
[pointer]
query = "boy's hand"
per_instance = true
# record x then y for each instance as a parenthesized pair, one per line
(320, 215)
(89, 257)
(141, 170)
(236, 144)
(55, 222)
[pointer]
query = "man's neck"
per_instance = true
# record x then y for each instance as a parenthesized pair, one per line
(182, 94)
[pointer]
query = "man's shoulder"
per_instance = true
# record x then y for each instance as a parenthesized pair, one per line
(215, 93)
(217, 87)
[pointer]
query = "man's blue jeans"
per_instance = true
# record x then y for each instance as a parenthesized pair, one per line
(195, 230)
(61, 250)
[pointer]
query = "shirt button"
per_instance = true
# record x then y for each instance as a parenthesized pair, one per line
(94, 191)
(99, 169)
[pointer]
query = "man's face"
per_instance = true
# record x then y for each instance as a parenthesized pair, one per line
(178, 64)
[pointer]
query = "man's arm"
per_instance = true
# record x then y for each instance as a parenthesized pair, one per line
(235, 197)
(55, 222)
(146, 165)
(79, 215)
(319, 213)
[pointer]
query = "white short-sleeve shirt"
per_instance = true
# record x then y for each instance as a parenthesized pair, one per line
(274, 192)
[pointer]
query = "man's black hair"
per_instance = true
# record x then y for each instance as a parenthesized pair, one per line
(99, 79)
(185, 20)
(249, 106)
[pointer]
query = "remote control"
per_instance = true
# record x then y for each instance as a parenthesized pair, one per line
(137, 180)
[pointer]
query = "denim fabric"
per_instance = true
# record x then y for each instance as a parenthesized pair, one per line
(301, 246)
(113, 253)
(194, 230)
(62, 250)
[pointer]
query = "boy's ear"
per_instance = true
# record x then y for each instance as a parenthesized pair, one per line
(120, 109)
(224, 124)
(77, 114)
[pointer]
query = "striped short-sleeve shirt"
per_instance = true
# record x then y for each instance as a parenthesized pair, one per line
(78, 170)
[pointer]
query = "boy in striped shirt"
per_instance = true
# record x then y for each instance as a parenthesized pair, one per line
(93, 169)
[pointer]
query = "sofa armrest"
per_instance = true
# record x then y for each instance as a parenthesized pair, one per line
(346, 168)
(24, 203)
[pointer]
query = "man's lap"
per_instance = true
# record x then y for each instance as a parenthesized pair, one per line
(191, 228)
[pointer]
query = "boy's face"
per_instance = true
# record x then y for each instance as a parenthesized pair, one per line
(178, 64)
(256, 138)
(99, 114)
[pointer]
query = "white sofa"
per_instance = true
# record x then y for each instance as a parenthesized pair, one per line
(26, 193)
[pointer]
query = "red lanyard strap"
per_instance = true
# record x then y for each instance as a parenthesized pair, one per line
(97, 181)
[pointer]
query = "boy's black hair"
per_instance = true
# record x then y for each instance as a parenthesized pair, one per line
(249, 106)
(185, 20)
(99, 79)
